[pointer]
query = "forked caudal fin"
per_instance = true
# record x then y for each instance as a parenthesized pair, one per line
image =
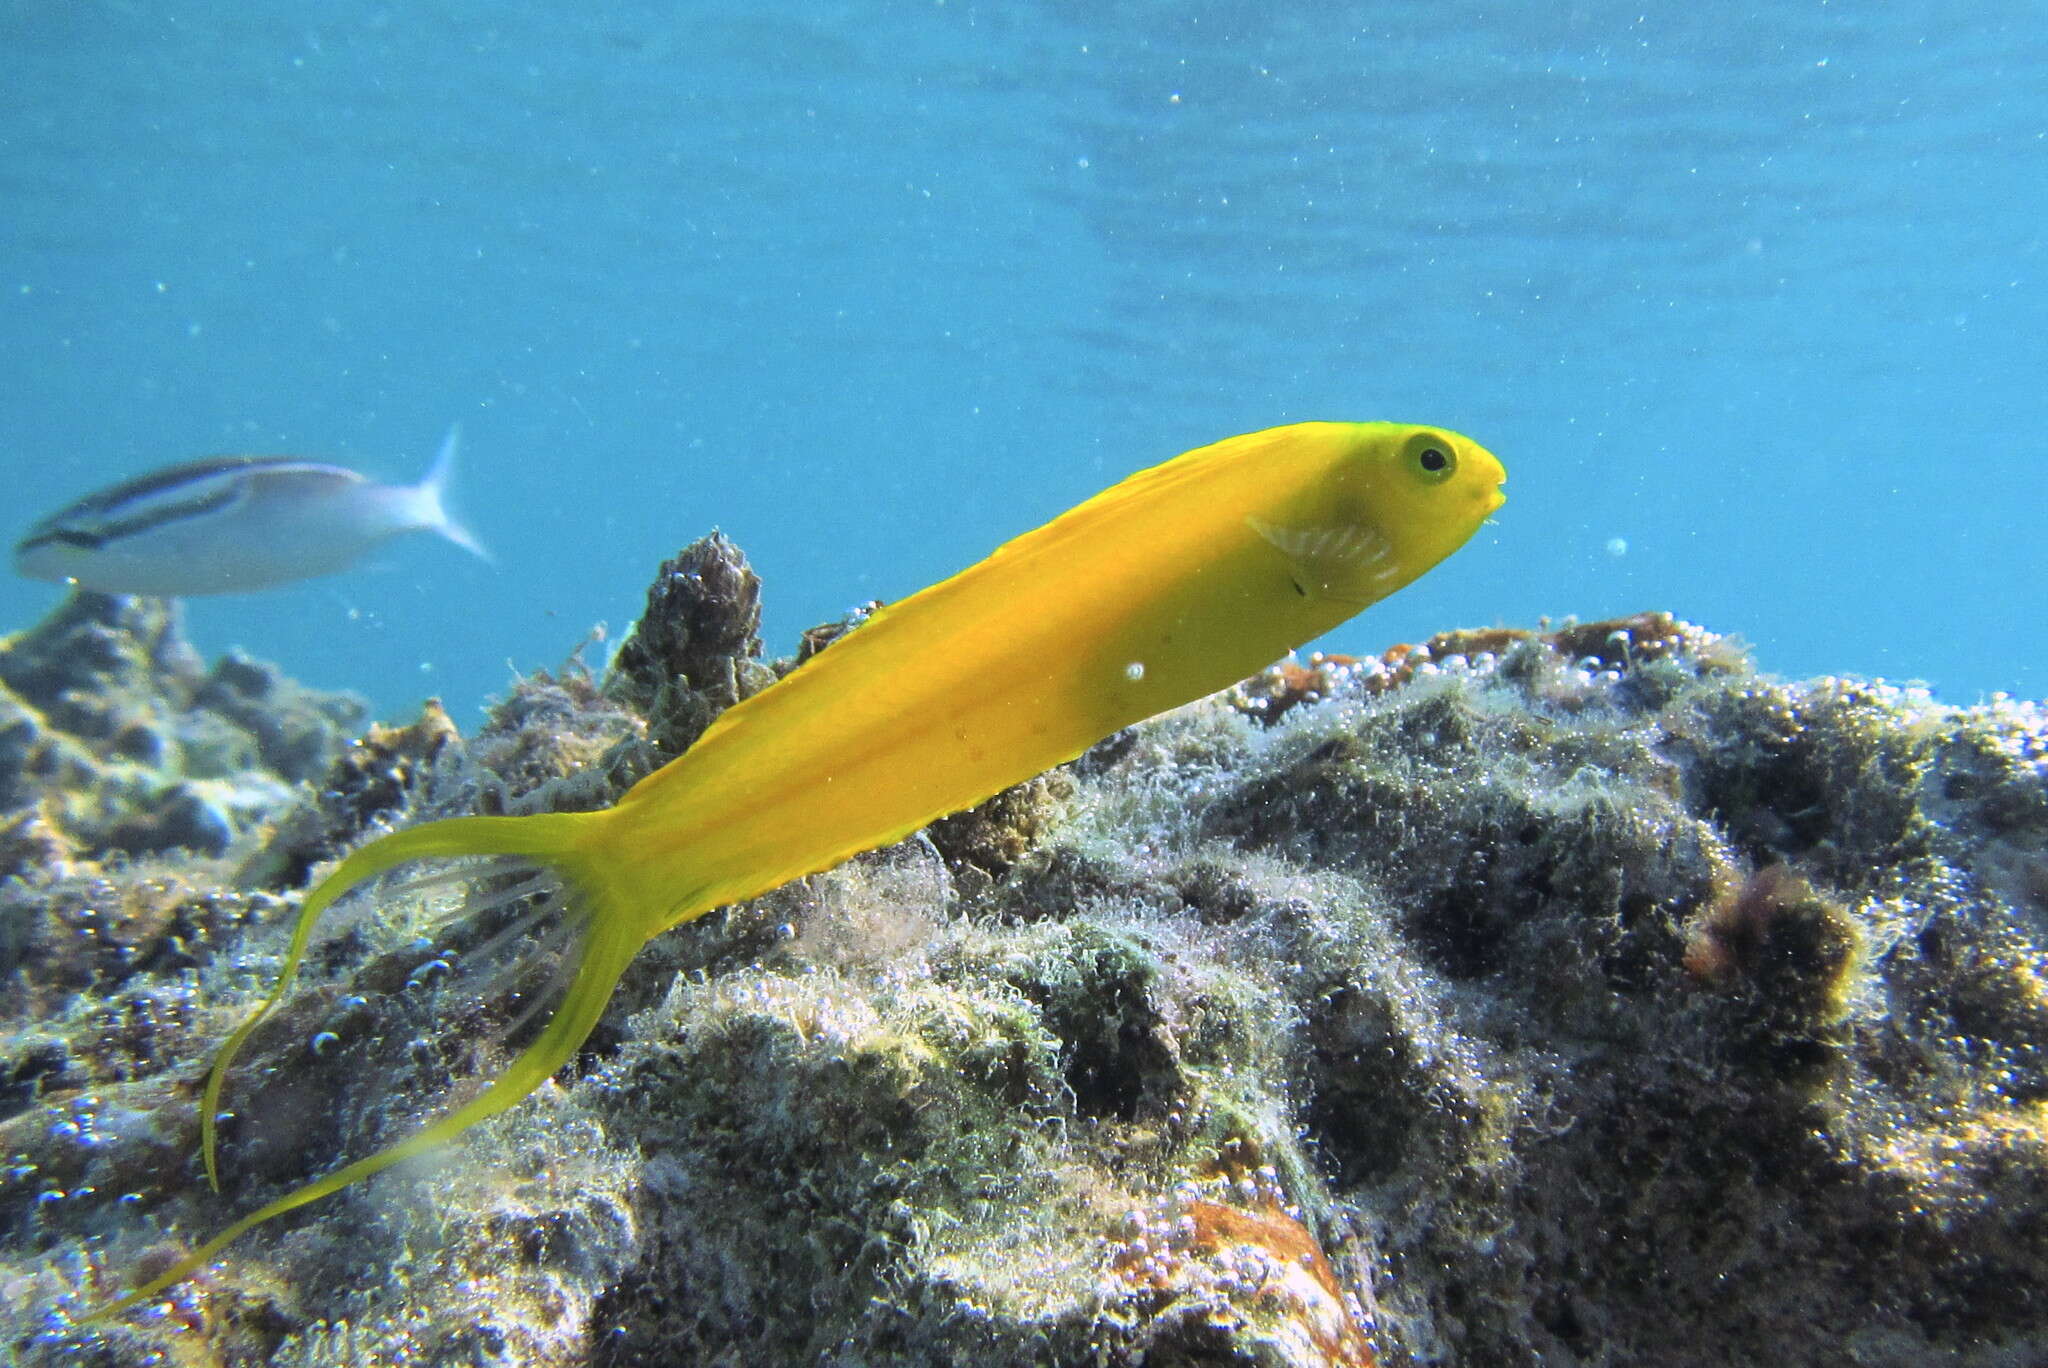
(431, 497)
(604, 943)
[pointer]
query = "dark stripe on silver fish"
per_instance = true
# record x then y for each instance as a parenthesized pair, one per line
(85, 541)
(91, 533)
(147, 500)
(158, 515)
(112, 500)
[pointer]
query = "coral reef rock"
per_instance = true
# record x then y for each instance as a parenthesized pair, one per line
(695, 651)
(116, 737)
(1575, 997)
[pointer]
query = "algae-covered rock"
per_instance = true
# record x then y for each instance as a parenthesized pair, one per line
(695, 651)
(116, 737)
(1578, 997)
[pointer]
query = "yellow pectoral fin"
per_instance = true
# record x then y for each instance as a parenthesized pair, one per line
(1353, 562)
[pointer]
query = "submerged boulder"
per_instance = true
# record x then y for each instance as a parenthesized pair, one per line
(117, 738)
(1572, 997)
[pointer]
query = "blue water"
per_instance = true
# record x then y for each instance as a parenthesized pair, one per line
(1749, 299)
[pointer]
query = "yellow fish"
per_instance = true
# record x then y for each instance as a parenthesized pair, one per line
(1176, 582)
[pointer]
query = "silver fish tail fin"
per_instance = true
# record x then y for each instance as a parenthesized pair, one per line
(432, 492)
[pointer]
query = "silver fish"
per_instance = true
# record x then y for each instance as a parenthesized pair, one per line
(231, 524)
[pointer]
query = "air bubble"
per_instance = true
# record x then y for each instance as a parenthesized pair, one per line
(433, 969)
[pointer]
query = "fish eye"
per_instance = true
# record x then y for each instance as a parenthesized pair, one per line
(1433, 457)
